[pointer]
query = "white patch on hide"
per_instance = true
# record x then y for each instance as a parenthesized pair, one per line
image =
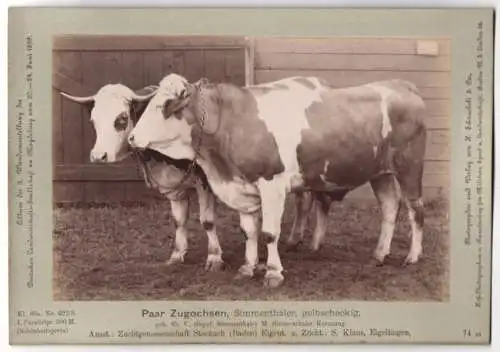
(385, 93)
(325, 169)
(284, 113)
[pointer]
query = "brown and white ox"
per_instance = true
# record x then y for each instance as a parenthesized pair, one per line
(115, 109)
(256, 144)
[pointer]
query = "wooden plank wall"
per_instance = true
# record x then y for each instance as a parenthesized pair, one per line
(353, 61)
(83, 64)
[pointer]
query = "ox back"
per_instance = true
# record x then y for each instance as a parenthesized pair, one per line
(329, 140)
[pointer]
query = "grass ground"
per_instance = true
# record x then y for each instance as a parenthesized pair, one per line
(118, 253)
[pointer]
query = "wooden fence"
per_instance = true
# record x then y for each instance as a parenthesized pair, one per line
(82, 64)
(353, 61)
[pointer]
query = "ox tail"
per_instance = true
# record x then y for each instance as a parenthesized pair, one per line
(409, 165)
(408, 161)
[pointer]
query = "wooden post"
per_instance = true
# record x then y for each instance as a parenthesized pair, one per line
(249, 61)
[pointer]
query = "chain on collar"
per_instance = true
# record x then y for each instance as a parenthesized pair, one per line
(204, 111)
(139, 157)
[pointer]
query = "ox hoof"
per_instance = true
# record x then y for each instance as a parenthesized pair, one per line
(214, 263)
(378, 262)
(244, 273)
(242, 277)
(410, 259)
(273, 279)
(379, 258)
(315, 247)
(173, 262)
(175, 258)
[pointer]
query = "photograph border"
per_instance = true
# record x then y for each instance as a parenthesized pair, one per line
(461, 23)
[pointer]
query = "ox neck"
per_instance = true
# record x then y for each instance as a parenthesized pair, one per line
(148, 157)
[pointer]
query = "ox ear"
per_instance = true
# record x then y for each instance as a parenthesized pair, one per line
(172, 106)
(87, 101)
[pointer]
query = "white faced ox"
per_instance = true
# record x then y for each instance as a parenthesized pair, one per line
(115, 109)
(259, 143)
(112, 110)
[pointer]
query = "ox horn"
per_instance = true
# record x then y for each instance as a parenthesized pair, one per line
(141, 98)
(81, 100)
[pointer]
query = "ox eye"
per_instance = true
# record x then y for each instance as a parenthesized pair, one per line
(121, 122)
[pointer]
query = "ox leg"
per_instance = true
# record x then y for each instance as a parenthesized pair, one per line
(273, 194)
(323, 202)
(180, 210)
(249, 224)
(416, 216)
(386, 189)
(409, 164)
(303, 205)
(206, 201)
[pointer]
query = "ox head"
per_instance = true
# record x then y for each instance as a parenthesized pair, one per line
(113, 110)
(161, 126)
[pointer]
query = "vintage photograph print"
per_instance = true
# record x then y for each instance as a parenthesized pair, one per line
(250, 175)
(207, 167)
